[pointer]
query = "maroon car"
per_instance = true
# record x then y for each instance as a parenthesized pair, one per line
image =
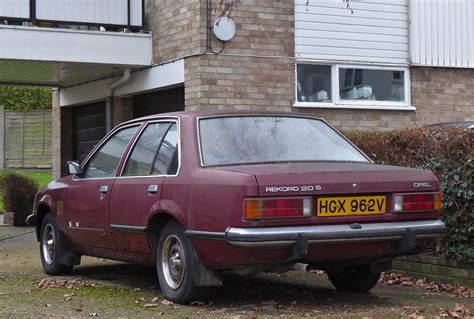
(198, 194)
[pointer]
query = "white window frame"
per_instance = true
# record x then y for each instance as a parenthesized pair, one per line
(338, 103)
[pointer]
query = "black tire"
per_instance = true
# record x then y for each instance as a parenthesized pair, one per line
(50, 241)
(177, 280)
(354, 279)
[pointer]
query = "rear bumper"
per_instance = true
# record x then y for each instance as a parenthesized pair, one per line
(293, 235)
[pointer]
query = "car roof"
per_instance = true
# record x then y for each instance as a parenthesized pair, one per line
(214, 113)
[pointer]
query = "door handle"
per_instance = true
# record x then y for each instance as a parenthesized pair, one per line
(104, 189)
(153, 189)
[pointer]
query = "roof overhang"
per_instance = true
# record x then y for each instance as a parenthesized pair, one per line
(64, 58)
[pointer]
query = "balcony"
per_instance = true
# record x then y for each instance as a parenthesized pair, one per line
(68, 42)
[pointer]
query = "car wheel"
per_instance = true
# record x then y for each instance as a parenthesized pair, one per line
(354, 279)
(50, 241)
(175, 265)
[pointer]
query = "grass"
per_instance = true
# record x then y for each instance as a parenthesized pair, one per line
(42, 177)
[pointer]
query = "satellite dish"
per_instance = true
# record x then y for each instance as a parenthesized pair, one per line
(224, 29)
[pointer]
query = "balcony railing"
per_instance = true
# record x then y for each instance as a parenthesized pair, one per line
(112, 13)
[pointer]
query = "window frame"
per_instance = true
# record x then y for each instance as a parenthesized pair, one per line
(338, 103)
(137, 137)
(98, 147)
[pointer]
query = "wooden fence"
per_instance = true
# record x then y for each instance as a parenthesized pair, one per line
(25, 140)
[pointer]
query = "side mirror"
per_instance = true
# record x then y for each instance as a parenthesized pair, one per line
(74, 168)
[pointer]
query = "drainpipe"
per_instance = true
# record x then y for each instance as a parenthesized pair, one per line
(109, 98)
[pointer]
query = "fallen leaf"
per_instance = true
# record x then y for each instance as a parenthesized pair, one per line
(93, 314)
(166, 302)
(197, 303)
(47, 305)
(393, 278)
(151, 305)
(79, 308)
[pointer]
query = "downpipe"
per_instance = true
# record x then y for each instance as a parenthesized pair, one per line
(109, 95)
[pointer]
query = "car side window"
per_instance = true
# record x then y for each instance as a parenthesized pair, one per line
(166, 162)
(105, 161)
(141, 159)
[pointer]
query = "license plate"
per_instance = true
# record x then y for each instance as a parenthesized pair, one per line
(347, 206)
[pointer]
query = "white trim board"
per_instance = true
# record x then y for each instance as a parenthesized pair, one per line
(149, 79)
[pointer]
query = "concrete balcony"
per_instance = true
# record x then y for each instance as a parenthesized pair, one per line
(64, 54)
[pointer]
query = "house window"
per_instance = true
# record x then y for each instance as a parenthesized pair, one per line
(314, 83)
(352, 86)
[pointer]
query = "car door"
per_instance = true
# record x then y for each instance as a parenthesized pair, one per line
(88, 196)
(137, 191)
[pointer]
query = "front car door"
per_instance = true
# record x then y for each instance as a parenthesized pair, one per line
(88, 196)
(138, 190)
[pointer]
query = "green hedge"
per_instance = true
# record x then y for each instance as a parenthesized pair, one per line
(25, 98)
(449, 154)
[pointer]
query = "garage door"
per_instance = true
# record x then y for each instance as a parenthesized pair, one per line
(89, 128)
(158, 102)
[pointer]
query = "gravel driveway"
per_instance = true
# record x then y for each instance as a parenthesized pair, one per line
(112, 289)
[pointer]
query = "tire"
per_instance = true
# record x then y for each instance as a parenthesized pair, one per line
(51, 240)
(175, 265)
(354, 279)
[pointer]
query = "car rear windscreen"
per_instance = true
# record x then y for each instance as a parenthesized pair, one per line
(264, 139)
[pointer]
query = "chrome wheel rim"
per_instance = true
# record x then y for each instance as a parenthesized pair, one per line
(173, 262)
(48, 244)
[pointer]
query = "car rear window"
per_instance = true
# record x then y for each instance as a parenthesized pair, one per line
(260, 139)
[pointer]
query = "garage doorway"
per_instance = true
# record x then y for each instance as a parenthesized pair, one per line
(171, 100)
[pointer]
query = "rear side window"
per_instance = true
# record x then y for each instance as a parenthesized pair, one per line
(167, 158)
(141, 160)
(105, 161)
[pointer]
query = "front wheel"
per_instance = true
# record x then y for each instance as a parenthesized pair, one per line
(358, 279)
(50, 243)
(175, 265)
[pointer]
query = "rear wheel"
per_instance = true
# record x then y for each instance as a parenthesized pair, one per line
(175, 265)
(358, 279)
(50, 241)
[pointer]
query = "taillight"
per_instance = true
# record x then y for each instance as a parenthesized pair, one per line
(267, 208)
(420, 202)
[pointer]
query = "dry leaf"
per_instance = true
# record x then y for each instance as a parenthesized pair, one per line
(79, 308)
(155, 299)
(151, 305)
(93, 314)
(197, 303)
(166, 302)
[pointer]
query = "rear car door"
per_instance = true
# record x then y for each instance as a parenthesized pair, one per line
(88, 196)
(138, 190)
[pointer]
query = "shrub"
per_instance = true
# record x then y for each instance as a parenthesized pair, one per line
(449, 154)
(18, 193)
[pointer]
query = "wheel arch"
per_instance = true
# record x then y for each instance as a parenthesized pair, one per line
(155, 225)
(41, 212)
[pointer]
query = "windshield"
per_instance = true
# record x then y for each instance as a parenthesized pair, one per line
(256, 139)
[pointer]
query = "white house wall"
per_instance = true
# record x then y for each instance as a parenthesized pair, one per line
(442, 33)
(376, 31)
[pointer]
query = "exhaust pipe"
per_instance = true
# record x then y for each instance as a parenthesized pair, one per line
(300, 267)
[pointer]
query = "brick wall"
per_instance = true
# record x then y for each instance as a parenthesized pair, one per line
(256, 68)
(442, 94)
(122, 110)
(177, 26)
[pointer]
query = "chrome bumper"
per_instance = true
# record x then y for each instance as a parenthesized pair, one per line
(283, 236)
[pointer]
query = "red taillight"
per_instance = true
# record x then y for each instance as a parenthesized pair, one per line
(417, 202)
(260, 208)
